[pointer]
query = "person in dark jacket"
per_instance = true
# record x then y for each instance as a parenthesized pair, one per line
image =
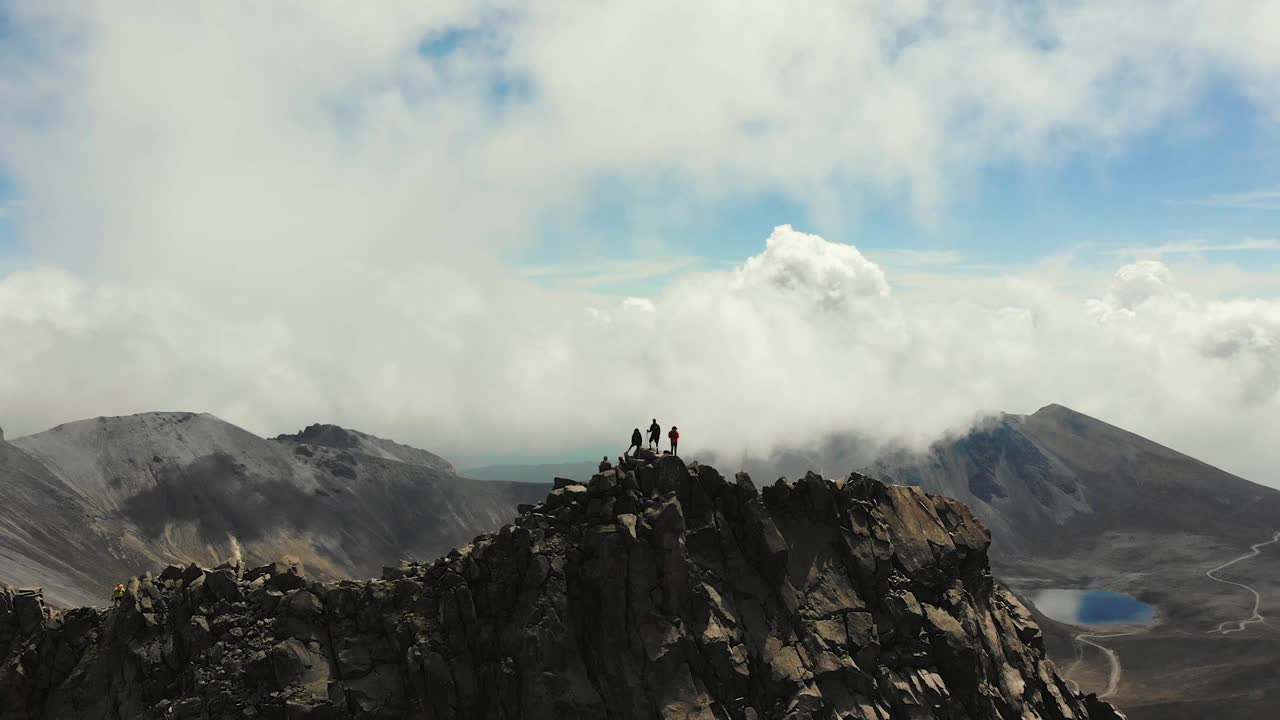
(604, 464)
(655, 434)
(636, 440)
(674, 436)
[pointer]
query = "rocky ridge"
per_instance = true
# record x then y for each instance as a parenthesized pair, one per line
(657, 590)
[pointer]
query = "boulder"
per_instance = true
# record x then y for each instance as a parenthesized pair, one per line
(294, 663)
(224, 585)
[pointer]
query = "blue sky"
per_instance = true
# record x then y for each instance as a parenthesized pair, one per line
(7, 198)
(1169, 183)
(1183, 182)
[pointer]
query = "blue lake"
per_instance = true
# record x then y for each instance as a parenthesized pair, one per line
(1092, 607)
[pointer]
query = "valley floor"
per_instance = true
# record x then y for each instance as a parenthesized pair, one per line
(1206, 646)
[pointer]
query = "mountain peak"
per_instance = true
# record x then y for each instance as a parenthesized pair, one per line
(1056, 410)
(340, 438)
(654, 590)
(325, 434)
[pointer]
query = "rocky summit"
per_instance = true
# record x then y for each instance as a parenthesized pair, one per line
(656, 590)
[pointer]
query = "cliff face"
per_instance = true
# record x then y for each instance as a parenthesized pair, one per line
(656, 592)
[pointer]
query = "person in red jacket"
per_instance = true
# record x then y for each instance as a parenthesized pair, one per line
(674, 436)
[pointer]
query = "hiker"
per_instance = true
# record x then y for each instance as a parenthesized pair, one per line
(636, 440)
(655, 433)
(118, 594)
(674, 436)
(604, 463)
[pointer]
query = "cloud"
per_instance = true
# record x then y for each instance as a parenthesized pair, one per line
(800, 340)
(898, 257)
(1253, 200)
(1197, 247)
(319, 224)
(823, 274)
(610, 271)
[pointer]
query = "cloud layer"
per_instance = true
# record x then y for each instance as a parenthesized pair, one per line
(803, 339)
(296, 212)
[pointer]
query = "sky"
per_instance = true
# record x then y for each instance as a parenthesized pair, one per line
(513, 231)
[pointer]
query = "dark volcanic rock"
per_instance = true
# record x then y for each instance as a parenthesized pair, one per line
(692, 598)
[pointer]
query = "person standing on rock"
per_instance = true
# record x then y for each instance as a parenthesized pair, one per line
(674, 436)
(655, 434)
(604, 464)
(118, 594)
(636, 440)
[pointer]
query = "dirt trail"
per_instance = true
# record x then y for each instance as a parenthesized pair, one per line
(1256, 616)
(1113, 677)
(1113, 659)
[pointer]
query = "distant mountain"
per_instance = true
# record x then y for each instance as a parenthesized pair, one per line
(130, 493)
(332, 436)
(1074, 502)
(1047, 481)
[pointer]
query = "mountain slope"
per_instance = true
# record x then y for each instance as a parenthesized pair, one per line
(51, 536)
(657, 593)
(1075, 502)
(1134, 483)
(1047, 481)
(180, 487)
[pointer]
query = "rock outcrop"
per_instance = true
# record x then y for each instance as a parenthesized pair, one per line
(656, 590)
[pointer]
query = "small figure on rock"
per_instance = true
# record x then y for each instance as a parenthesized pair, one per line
(605, 464)
(118, 594)
(636, 440)
(674, 436)
(655, 434)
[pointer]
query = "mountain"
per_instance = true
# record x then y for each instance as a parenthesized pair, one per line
(1051, 479)
(1077, 503)
(332, 436)
(659, 592)
(157, 488)
(51, 536)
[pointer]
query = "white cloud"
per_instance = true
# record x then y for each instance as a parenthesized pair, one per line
(824, 274)
(1268, 199)
(1197, 247)
(609, 271)
(898, 257)
(283, 213)
(748, 358)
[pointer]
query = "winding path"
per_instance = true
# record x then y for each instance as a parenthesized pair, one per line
(1113, 677)
(1256, 615)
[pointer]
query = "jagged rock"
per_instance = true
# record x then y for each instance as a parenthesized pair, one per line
(222, 584)
(672, 594)
(296, 663)
(303, 605)
(198, 636)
